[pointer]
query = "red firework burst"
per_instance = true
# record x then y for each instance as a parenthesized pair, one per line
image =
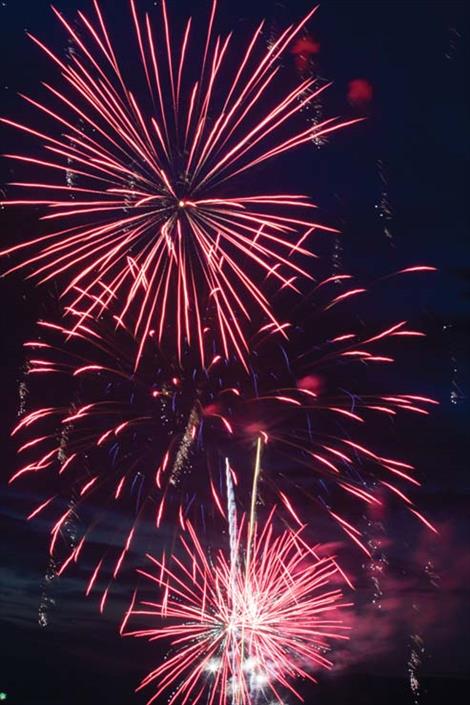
(146, 443)
(244, 623)
(149, 220)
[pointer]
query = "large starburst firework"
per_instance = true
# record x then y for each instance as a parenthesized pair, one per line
(244, 624)
(153, 224)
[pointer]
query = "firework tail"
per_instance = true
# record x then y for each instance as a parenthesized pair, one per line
(232, 528)
(254, 493)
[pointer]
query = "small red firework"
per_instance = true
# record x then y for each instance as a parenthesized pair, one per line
(360, 92)
(150, 225)
(304, 48)
(244, 623)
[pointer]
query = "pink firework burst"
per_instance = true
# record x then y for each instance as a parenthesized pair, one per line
(150, 221)
(147, 443)
(243, 624)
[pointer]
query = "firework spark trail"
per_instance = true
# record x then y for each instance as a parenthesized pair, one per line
(254, 497)
(69, 530)
(417, 644)
(384, 205)
(185, 446)
(46, 600)
(233, 538)
(377, 566)
(306, 51)
(150, 232)
(414, 664)
(234, 559)
(234, 640)
(232, 519)
(69, 533)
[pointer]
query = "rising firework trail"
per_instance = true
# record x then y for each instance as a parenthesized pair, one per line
(242, 629)
(150, 223)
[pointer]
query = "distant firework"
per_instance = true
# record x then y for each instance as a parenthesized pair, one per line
(149, 444)
(360, 92)
(152, 225)
(243, 624)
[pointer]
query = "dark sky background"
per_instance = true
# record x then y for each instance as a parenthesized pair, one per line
(413, 154)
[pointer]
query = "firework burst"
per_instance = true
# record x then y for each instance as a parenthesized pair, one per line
(243, 624)
(151, 224)
(150, 444)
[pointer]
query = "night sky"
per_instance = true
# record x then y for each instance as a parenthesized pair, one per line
(395, 185)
